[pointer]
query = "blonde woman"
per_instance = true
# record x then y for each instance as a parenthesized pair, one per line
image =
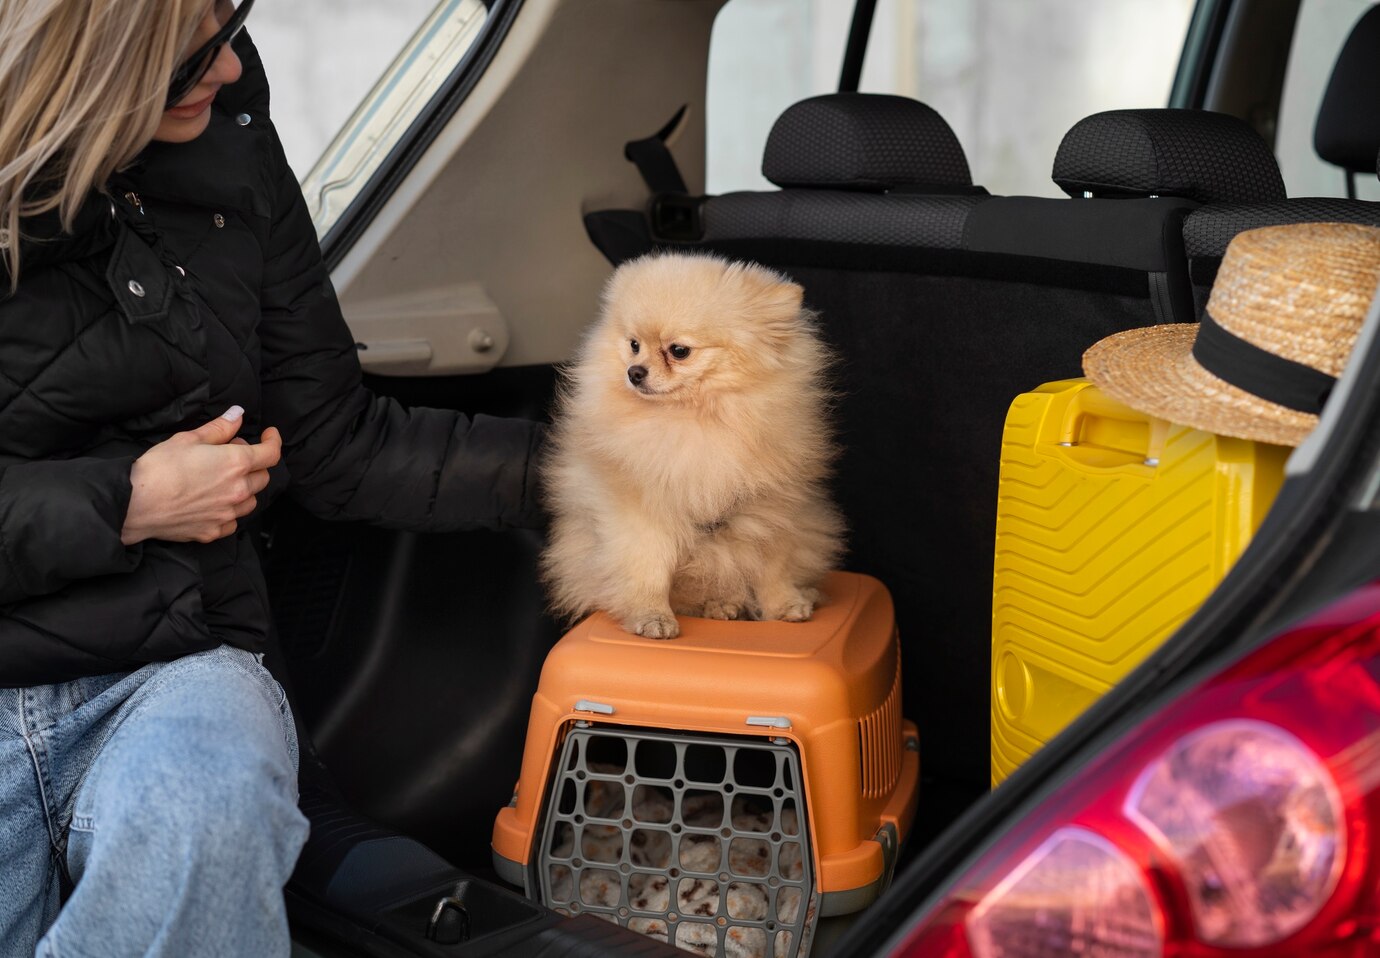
(172, 357)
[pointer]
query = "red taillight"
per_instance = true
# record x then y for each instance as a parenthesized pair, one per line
(1236, 823)
(1076, 894)
(1252, 822)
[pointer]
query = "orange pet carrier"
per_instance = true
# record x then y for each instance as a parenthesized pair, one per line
(723, 790)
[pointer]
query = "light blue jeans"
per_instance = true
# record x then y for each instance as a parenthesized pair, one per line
(169, 794)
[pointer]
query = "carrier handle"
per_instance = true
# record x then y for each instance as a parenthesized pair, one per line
(1097, 431)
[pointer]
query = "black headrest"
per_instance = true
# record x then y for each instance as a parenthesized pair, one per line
(1196, 154)
(1347, 132)
(863, 141)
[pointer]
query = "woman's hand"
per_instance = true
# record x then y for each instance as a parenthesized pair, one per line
(194, 486)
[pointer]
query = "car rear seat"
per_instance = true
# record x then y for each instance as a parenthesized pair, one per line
(944, 303)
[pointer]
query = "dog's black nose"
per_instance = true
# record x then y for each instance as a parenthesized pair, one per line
(636, 374)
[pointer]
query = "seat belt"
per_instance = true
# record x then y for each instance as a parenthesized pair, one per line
(655, 162)
(671, 214)
(674, 213)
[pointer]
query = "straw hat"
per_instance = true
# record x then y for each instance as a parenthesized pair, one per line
(1280, 324)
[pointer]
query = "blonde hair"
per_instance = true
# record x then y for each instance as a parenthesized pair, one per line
(83, 85)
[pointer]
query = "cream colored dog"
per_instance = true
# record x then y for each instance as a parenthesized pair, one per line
(691, 447)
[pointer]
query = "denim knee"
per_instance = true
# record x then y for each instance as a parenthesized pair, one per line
(185, 827)
(203, 774)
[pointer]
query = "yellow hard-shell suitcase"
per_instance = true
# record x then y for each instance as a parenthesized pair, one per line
(1112, 527)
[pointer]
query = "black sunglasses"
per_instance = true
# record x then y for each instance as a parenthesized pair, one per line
(189, 74)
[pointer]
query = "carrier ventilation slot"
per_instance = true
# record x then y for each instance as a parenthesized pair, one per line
(879, 744)
(699, 841)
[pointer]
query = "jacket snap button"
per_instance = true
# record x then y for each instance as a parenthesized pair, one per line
(136, 287)
(242, 119)
(218, 220)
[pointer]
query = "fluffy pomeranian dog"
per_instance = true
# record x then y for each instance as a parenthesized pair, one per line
(691, 447)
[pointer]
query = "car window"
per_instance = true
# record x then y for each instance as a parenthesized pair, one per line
(1323, 26)
(349, 77)
(972, 61)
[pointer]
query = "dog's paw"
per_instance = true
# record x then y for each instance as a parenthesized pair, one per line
(653, 625)
(795, 608)
(724, 609)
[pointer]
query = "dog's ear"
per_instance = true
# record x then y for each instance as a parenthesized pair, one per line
(773, 299)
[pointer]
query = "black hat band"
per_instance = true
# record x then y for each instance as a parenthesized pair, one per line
(1260, 372)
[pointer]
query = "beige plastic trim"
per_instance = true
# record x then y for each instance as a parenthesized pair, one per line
(497, 201)
(431, 332)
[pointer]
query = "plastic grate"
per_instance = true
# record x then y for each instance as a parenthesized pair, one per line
(700, 841)
(879, 744)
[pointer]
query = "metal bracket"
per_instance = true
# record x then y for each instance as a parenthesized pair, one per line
(585, 705)
(769, 721)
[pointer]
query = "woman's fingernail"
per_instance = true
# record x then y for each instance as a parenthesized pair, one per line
(233, 414)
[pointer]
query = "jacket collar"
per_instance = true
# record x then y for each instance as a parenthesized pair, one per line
(43, 241)
(223, 167)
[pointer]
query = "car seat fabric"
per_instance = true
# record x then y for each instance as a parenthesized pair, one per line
(1131, 246)
(862, 218)
(1347, 130)
(1196, 154)
(1213, 158)
(1128, 234)
(1208, 229)
(864, 141)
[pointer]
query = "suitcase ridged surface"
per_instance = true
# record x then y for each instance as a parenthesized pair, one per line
(1112, 527)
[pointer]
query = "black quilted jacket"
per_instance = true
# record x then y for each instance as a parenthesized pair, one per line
(141, 324)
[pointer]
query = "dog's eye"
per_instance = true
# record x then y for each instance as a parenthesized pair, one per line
(635, 346)
(679, 351)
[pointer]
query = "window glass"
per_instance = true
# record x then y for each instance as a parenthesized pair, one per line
(1010, 76)
(1323, 26)
(764, 55)
(349, 77)
(322, 56)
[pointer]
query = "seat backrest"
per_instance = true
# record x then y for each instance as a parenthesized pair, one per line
(1208, 229)
(1213, 158)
